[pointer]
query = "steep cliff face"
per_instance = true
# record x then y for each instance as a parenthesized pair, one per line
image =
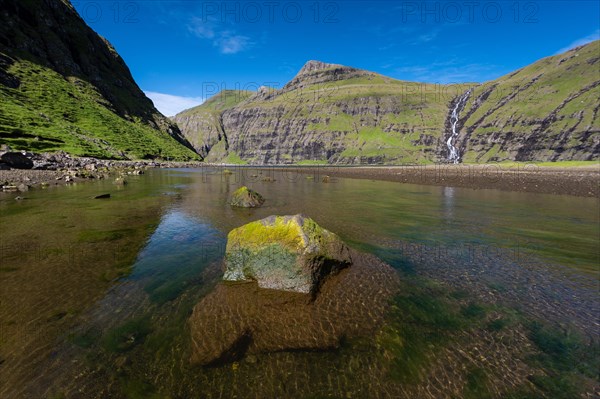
(547, 111)
(203, 125)
(62, 86)
(330, 113)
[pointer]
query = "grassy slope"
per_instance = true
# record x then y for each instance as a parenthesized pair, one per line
(49, 112)
(396, 114)
(221, 101)
(62, 86)
(534, 93)
(372, 117)
(201, 124)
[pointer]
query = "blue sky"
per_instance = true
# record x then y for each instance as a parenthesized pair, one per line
(181, 52)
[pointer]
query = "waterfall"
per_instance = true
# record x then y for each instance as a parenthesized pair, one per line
(454, 156)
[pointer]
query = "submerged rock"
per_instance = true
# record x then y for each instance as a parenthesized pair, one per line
(289, 253)
(293, 256)
(242, 321)
(243, 197)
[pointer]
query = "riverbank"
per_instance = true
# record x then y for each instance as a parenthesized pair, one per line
(582, 181)
(61, 168)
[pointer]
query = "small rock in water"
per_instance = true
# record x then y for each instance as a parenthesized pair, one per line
(252, 359)
(102, 196)
(122, 361)
(244, 197)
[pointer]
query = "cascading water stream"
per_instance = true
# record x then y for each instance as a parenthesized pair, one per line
(454, 156)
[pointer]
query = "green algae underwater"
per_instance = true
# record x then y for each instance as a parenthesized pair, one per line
(497, 296)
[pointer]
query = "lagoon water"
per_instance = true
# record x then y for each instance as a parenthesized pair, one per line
(95, 294)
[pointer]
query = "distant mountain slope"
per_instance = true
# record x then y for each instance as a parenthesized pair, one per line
(203, 125)
(62, 86)
(336, 114)
(547, 111)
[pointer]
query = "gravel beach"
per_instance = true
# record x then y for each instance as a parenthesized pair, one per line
(579, 181)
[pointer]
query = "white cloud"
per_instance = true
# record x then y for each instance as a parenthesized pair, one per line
(227, 41)
(202, 30)
(171, 105)
(580, 42)
(427, 37)
(231, 44)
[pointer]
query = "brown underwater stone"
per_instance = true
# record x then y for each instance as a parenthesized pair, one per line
(237, 319)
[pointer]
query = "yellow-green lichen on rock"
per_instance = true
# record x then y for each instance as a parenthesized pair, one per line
(244, 197)
(290, 253)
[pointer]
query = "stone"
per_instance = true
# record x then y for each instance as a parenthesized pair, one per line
(16, 160)
(102, 196)
(244, 197)
(289, 253)
(242, 322)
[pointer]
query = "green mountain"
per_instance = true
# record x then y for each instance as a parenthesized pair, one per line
(204, 127)
(330, 113)
(547, 111)
(63, 87)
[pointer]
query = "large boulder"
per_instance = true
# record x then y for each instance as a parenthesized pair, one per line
(243, 197)
(289, 253)
(16, 160)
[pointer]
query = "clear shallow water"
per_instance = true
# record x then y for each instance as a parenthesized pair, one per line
(102, 289)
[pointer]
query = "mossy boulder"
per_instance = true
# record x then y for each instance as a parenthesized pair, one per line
(243, 197)
(289, 253)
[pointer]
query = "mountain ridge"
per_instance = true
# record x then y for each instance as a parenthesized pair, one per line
(343, 115)
(48, 54)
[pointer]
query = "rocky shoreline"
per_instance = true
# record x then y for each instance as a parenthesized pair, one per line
(24, 170)
(48, 169)
(581, 181)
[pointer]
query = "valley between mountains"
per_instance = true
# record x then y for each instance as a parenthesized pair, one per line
(64, 87)
(333, 114)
